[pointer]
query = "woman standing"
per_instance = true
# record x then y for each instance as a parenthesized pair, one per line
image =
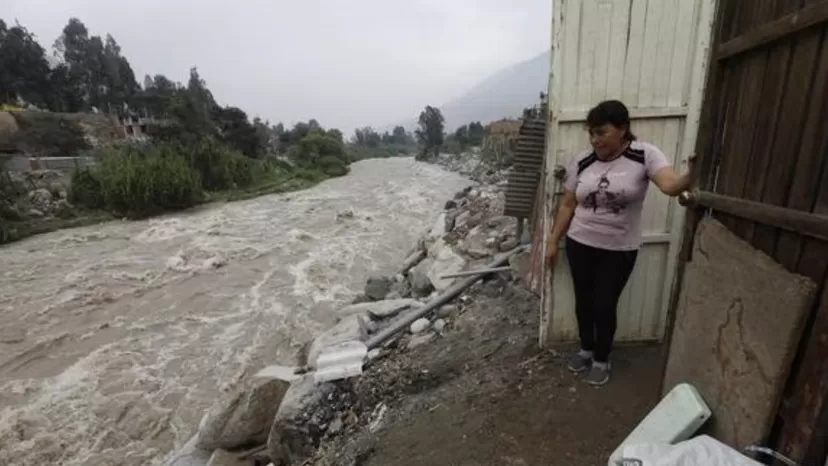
(600, 213)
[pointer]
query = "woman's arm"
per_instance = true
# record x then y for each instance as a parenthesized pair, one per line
(566, 209)
(670, 182)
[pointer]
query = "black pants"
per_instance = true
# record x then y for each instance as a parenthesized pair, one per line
(599, 276)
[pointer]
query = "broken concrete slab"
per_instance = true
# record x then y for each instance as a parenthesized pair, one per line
(739, 319)
(447, 262)
(350, 328)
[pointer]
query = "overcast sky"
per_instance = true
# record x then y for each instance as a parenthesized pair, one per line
(346, 63)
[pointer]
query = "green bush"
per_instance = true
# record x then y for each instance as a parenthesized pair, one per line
(333, 166)
(219, 167)
(86, 189)
(138, 185)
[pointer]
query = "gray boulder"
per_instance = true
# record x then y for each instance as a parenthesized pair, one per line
(377, 288)
(289, 442)
(419, 326)
(242, 417)
(418, 276)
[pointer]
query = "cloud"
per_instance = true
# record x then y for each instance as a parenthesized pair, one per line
(345, 63)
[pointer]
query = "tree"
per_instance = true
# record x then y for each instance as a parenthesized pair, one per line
(476, 133)
(237, 132)
(24, 72)
(95, 71)
(430, 131)
(399, 135)
(367, 137)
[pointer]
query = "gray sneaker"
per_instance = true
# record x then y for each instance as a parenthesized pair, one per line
(598, 375)
(578, 363)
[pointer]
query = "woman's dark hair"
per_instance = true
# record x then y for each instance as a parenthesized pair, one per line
(613, 112)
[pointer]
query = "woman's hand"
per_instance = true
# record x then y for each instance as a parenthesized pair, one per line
(551, 253)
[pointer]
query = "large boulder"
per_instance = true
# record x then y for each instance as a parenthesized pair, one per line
(380, 309)
(349, 328)
(290, 441)
(418, 276)
(438, 230)
(242, 417)
(377, 288)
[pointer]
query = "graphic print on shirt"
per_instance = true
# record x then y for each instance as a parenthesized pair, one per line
(604, 198)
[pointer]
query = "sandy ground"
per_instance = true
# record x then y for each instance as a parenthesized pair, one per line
(484, 394)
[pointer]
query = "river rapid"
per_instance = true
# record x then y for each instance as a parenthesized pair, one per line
(115, 338)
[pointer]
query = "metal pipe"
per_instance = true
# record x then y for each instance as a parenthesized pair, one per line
(467, 273)
(796, 221)
(454, 291)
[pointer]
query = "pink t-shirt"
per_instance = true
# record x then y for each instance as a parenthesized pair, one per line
(611, 196)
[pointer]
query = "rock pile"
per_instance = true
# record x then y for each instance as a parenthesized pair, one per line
(35, 195)
(473, 165)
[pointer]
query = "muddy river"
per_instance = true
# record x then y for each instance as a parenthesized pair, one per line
(114, 338)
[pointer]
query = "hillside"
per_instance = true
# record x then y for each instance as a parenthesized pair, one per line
(504, 94)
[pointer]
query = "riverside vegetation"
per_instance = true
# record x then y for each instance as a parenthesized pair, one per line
(200, 152)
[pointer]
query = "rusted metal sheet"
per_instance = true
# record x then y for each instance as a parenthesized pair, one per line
(523, 181)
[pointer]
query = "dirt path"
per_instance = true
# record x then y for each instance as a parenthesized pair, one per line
(485, 395)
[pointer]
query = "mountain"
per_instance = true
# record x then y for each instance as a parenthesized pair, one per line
(504, 94)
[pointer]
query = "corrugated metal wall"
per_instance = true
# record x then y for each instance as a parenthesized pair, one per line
(646, 53)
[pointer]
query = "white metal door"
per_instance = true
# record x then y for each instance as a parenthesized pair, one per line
(652, 55)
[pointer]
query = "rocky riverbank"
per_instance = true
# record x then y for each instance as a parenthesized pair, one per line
(300, 421)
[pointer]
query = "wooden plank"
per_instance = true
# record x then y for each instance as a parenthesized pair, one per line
(765, 131)
(667, 54)
(567, 50)
(649, 77)
(804, 188)
(806, 223)
(634, 53)
(811, 15)
(588, 31)
(739, 131)
(734, 170)
(601, 15)
(619, 36)
(686, 39)
(708, 136)
(795, 103)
